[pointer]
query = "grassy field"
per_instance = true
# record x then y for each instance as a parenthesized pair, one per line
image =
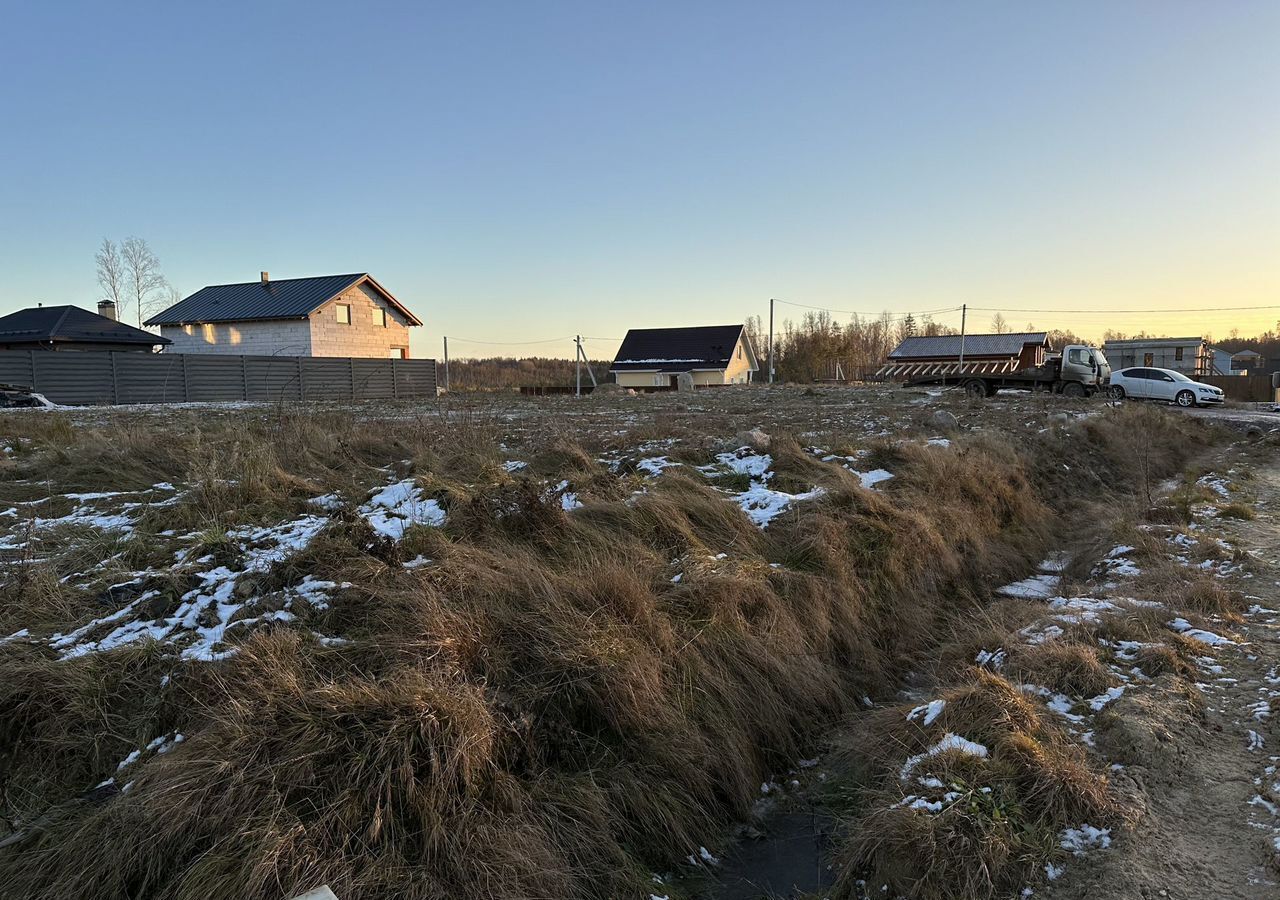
(508, 648)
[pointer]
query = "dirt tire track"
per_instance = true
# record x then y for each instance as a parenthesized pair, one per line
(1199, 836)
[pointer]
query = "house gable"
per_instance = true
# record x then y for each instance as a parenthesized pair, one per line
(359, 330)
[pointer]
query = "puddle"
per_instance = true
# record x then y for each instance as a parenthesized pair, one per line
(790, 857)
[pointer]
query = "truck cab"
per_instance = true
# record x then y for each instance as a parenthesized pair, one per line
(1085, 365)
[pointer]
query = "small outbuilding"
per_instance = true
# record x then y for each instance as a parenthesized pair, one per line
(710, 354)
(1247, 362)
(979, 354)
(73, 328)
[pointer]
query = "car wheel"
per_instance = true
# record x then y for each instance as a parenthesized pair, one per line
(1116, 392)
(1074, 389)
(975, 389)
(1185, 399)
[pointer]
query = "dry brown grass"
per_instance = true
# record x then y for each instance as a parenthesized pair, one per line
(1207, 596)
(1005, 811)
(1074, 669)
(542, 712)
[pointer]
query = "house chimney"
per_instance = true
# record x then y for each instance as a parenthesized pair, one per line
(265, 278)
(107, 309)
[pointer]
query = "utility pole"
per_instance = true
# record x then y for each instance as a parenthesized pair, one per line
(964, 310)
(577, 362)
(771, 340)
(581, 360)
(446, 364)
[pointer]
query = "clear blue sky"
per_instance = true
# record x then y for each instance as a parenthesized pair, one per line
(525, 170)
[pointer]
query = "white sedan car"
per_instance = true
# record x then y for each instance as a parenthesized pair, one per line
(1142, 383)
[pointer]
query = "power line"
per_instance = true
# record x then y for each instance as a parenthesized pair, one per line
(854, 312)
(1162, 312)
(510, 343)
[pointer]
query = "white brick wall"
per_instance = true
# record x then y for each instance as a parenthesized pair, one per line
(365, 336)
(282, 337)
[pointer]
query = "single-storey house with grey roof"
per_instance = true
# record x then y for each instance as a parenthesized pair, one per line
(983, 354)
(710, 354)
(1188, 355)
(329, 315)
(73, 328)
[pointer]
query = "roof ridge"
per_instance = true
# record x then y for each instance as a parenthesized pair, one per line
(53, 329)
(684, 328)
(282, 280)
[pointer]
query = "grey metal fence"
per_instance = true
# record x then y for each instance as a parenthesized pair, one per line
(100, 376)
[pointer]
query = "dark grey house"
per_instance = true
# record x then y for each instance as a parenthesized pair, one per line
(73, 328)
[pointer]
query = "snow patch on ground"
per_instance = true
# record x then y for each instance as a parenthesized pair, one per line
(1186, 629)
(950, 742)
(206, 613)
(928, 712)
(654, 466)
(392, 510)
(1037, 587)
(1086, 837)
(872, 478)
(762, 505)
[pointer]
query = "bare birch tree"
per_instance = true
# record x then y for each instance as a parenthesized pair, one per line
(111, 273)
(144, 282)
(999, 325)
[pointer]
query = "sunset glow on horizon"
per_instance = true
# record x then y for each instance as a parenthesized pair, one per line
(521, 172)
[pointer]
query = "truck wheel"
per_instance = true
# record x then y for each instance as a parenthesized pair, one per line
(975, 389)
(1116, 392)
(1185, 399)
(1074, 390)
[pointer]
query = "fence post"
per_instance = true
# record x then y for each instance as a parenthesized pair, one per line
(244, 375)
(302, 384)
(31, 366)
(186, 385)
(115, 379)
(351, 370)
(395, 388)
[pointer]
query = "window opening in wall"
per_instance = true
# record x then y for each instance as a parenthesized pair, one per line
(344, 313)
(379, 317)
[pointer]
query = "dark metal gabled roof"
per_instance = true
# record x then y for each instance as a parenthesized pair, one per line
(677, 349)
(286, 298)
(71, 324)
(948, 345)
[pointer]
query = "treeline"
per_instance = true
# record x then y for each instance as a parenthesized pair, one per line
(818, 348)
(507, 373)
